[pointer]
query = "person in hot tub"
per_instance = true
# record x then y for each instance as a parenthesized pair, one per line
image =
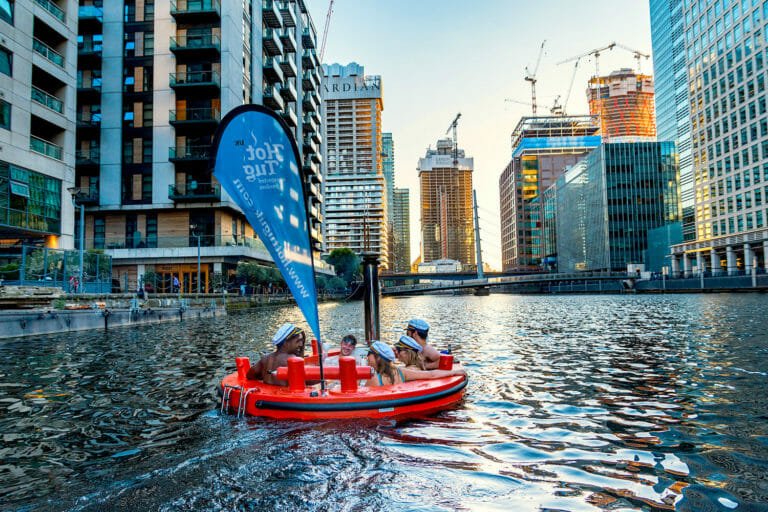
(381, 358)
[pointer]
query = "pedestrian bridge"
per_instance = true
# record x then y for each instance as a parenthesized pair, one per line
(606, 281)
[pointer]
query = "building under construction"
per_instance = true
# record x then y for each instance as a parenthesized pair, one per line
(624, 101)
(542, 148)
(447, 231)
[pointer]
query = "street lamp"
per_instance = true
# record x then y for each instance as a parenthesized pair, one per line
(75, 191)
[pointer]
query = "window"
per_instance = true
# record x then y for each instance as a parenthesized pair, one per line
(5, 115)
(6, 11)
(6, 61)
(99, 230)
(152, 230)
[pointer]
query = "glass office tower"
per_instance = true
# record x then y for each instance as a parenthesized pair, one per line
(609, 200)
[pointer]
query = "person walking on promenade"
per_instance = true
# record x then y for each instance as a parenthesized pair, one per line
(418, 329)
(176, 284)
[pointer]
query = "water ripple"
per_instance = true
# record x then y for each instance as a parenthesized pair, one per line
(575, 403)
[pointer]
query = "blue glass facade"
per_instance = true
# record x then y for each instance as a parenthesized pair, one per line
(673, 120)
(609, 201)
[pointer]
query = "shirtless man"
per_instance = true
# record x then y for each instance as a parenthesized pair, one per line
(289, 341)
(418, 329)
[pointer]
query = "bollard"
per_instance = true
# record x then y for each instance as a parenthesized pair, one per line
(347, 374)
(446, 362)
(296, 376)
(243, 365)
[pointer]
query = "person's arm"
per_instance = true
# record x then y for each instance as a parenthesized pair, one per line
(411, 374)
(431, 357)
(254, 372)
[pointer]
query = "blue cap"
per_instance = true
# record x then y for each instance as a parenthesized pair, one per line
(419, 324)
(383, 350)
(284, 332)
(409, 342)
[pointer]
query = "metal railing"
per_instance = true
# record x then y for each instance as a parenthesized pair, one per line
(47, 100)
(173, 242)
(195, 41)
(48, 52)
(195, 78)
(194, 190)
(42, 266)
(52, 8)
(88, 156)
(184, 7)
(46, 148)
(195, 114)
(25, 219)
(191, 152)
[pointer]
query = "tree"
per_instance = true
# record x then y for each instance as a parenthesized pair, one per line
(345, 262)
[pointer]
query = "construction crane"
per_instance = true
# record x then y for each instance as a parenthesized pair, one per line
(325, 30)
(596, 53)
(452, 127)
(531, 77)
(556, 109)
(637, 53)
(570, 86)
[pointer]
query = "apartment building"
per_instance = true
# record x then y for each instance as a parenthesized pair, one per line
(38, 59)
(153, 82)
(355, 186)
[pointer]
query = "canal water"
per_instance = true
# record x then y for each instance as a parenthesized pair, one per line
(575, 403)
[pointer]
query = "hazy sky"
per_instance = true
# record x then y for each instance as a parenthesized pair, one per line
(438, 58)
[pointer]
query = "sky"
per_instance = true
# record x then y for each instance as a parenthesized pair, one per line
(437, 58)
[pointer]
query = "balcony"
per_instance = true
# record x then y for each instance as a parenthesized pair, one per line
(310, 146)
(88, 157)
(47, 100)
(289, 17)
(309, 124)
(288, 66)
(194, 191)
(89, 196)
(288, 91)
(195, 80)
(53, 9)
(308, 59)
(198, 46)
(90, 19)
(270, 39)
(195, 11)
(273, 73)
(308, 37)
(45, 147)
(203, 118)
(189, 153)
(273, 99)
(307, 81)
(289, 116)
(315, 136)
(88, 121)
(312, 170)
(309, 103)
(48, 52)
(316, 157)
(88, 89)
(270, 14)
(288, 40)
(88, 54)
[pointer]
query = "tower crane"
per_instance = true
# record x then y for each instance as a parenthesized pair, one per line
(570, 86)
(637, 54)
(556, 109)
(531, 77)
(325, 30)
(452, 126)
(596, 53)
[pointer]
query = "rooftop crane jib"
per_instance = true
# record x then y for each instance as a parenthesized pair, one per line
(452, 126)
(325, 30)
(531, 77)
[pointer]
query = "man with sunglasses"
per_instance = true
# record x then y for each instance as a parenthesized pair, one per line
(418, 329)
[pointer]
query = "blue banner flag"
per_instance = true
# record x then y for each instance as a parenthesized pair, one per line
(258, 164)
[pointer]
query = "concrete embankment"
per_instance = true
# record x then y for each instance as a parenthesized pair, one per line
(78, 312)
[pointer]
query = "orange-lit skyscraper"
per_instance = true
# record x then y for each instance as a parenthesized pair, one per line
(624, 102)
(447, 231)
